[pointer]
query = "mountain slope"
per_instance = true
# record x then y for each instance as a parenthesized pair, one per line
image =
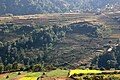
(43, 6)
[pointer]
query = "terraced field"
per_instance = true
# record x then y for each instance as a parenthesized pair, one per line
(33, 75)
(52, 19)
(53, 75)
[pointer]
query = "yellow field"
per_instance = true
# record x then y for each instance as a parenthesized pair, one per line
(28, 78)
(78, 71)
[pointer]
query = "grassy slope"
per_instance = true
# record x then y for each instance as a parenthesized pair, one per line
(54, 73)
(11, 76)
(35, 75)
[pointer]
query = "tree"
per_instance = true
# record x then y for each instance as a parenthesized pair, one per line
(8, 67)
(103, 31)
(0, 60)
(50, 67)
(1, 67)
(37, 68)
(91, 68)
(118, 41)
(1, 44)
(27, 68)
(111, 63)
(62, 33)
(15, 66)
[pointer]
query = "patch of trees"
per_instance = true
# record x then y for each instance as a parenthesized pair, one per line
(109, 59)
(21, 67)
(32, 46)
(31, 6)
(90, 30)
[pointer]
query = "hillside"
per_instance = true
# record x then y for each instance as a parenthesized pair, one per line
(58, 46)
(18, 7)
(62, 40)
(59, 39)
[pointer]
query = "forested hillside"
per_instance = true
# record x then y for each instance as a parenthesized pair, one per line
(61, 46)
(50, 6)
(63, 39)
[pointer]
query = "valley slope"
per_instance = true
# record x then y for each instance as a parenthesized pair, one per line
(68, 40)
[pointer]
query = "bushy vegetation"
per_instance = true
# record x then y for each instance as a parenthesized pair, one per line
(109, 59)
(46, 47)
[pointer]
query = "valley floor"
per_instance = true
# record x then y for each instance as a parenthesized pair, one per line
(52, 75)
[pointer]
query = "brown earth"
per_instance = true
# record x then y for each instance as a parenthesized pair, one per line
(20, 76)
(3, 75)
(55, 78)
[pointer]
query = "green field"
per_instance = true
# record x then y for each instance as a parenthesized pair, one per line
(54, 73)
(34, 75)
(11, 76)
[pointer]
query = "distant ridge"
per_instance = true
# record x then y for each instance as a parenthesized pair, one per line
(18, 7)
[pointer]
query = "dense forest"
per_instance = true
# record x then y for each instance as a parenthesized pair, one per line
(53, 45)
(54, 6)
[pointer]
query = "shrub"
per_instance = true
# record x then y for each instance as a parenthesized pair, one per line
(37, 68)
(19, 73)
(50, 67)
(115, 72)
(80, 74)
(7, 77)
(1, 68)
(85, 78)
